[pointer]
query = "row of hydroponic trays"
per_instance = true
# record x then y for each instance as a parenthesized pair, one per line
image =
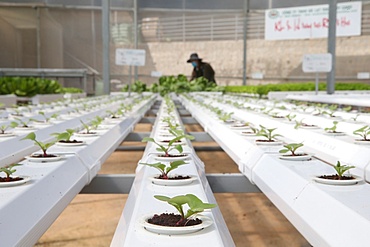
(73, 139)
(294, 180)
(311, 161)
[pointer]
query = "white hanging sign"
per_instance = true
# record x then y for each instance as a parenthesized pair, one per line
(316, 63)
(131, 57)
(312, 21)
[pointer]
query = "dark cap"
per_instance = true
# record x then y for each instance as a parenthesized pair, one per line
(193, 57)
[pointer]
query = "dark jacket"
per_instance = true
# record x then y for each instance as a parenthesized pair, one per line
(204, 70)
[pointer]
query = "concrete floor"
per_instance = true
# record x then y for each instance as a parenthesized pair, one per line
(90, 220)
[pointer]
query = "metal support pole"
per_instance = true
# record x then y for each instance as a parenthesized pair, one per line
(317, 84)
(330, 80)
(106, 50)
(93, 37)
(245, 7)
(38, 33)
(136, 40)
(130, 81)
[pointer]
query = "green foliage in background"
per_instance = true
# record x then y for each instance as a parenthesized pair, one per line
(177, 84)
(263, 90)
(137, 87)
(30, 86)
(70, 90)
(180, 84)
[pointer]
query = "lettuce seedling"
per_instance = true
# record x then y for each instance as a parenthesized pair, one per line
(96, 122)
(169, 122)
(267, 133)
(3, 128)
(86, 127)
(195, 205)
(169, 147)
(290, 117)
(21, 123)
(347, 109)
(44, 146)
(225, 116)
(292, 148)
(364, 132)
(166, 169)
(341, 169)
(331, 111)
(355, 117)
(46, 119)
(332, 129)
(64, 136)
(9, 170)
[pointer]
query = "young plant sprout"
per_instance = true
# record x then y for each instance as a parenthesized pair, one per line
(292, 148)
(170, 146)
(355, 117)
(20, 123)
(116, 114)
(364, 132)
(195, 206)
(331, 111)
(8, 170)
(86, 127)
(267, 133)
(332, 129)
(169, 122)
(341, 169)
(225, 117)
(65, 136)
(166, 169)
(46, 119)
(290, 117)
(44, 146)
(3, 128)
(96, 122)
(347, 109)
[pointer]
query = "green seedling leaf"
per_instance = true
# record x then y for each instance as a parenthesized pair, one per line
(291, 147)
(341, 169)
(363, 132)
(9, 170)
(194, 203)
(148, 139)
(44, 146)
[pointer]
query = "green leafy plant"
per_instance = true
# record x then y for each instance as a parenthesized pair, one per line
(117, 114)
(44, 146)
(268, 133)
(20, 123)
(166, 149)
(86, 127)
(9, 170)
(341, 169)
(332, 129)
(47, 119)
(290, 117)
(364, 132)
(292, 148)
(355, 117)
(169, 121)
(195, 205)
(96, 122)
(64, 136)
(347, 109)
(3, 128)
(166, 169)
(225, 116)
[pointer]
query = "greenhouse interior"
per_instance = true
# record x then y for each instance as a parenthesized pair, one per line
(184, 123)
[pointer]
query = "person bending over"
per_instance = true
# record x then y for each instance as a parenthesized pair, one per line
(201, 68)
